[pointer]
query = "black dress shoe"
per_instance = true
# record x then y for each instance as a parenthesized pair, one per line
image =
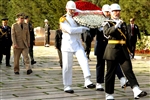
(33, 62)
(17, 73)
(110, 99)
(8, 65)
(29, 71)
(69, 91)
(127, 84)
(90, 86)
(100, 89)
(142, 94)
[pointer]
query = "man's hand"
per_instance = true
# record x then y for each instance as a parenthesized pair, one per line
(118, 23)
(15, 46)
(84, 29)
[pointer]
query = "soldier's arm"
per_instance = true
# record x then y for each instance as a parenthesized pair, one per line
(127, 34)
(13, 35)
(67, 28)
(109, 30)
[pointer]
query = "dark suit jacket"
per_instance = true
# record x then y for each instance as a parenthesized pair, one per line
(116, 51)
(6, 39)
(136, 33)
(58, 38)
(100, 44)
(32, 36)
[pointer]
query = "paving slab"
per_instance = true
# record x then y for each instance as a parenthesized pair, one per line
(45, 83)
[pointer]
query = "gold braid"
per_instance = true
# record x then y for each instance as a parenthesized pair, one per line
(2, 33)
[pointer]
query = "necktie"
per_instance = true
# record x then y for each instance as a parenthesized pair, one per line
(22, 26)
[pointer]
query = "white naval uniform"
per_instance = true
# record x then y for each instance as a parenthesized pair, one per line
(72, 45)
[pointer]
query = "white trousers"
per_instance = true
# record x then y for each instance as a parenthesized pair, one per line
(67, 58)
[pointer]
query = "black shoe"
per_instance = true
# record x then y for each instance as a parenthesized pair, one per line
(88, 58)
(69, 91)
(127, 84)
(142, 94)
(29, 71)
(17, 73)
(99, 89)
(33, 62)
(61, 66)
(8, 65)
(90, 86)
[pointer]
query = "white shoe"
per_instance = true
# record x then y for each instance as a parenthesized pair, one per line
(99, 87)
(109, 96)
(68, 89)
(136, 90)
(88, 83)
(47, 45)
(123, 81)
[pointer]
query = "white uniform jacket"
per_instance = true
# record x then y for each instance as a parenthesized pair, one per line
(71, 41)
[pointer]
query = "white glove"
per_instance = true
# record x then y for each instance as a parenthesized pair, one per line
(84, 29)
(118, 23)
(131, 55)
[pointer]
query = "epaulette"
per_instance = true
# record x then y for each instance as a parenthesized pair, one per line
(62, 19)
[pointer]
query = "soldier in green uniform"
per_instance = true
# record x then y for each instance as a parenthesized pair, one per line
(5, 41)
(118, 51)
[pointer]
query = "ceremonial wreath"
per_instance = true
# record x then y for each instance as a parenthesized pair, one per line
(89, 15)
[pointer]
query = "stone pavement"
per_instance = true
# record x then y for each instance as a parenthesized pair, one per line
(45, 83)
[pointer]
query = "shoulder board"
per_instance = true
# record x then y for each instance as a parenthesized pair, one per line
(62, 19)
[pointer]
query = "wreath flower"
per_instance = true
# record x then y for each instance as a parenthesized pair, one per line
(89, 15)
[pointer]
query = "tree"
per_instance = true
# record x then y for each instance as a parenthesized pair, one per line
(57, 9)
(4, 8)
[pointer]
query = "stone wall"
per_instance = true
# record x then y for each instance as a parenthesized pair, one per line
(39, 37)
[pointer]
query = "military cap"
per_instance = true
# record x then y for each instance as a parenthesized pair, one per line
(26, 17)
(4, 19)
(20, 15)
(45, 20)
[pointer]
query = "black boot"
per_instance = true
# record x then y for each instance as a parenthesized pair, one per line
(33, 62)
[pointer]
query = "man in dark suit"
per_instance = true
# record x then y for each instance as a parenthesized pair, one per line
(5, 41)
(32, 39)
(133, 31)
(87, 39)
(58, 38)
(47, 33)
(117, 51)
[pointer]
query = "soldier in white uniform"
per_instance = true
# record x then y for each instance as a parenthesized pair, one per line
(71, 45)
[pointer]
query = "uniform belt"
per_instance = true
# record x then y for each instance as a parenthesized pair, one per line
(116, 42)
